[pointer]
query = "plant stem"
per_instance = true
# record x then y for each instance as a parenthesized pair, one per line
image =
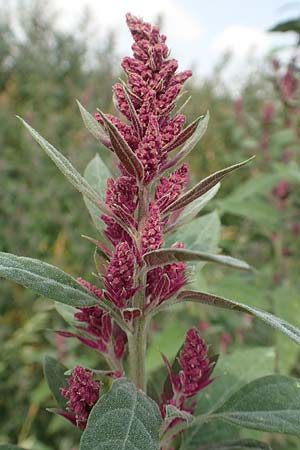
(137, 350)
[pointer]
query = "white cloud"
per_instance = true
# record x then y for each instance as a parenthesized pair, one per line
(179, 24)
(241, 40)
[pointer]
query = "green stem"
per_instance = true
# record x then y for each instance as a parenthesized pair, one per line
(137, 351)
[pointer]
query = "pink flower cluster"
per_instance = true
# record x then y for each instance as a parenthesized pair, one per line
(138, 213)
(194, 373)
(82, 394)
(97, 328)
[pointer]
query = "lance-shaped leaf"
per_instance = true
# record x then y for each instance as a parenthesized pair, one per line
(45, 279)
(123, 419)
(56, 379)
(127, 157)
(93, 125)
(52, 282)
(193, 209)
(185, 134)
(240, 444)
(203, 186)
(190, 143)
(68, 170)
(133, 115)
(164, 256)
(221, 302)
(96, 174)
(271, 403)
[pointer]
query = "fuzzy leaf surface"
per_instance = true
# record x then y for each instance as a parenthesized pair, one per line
(270, 403)
(191, 210)
(123, 419)
(161, 257)
(203, 186)
(45, 279)
(92, 124)
(221, 302)
(96, 174)
(68, 170)
(191, 142)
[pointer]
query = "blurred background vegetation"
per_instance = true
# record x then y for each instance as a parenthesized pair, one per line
(42, 71)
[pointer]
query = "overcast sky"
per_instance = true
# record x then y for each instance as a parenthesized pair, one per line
(198, 31)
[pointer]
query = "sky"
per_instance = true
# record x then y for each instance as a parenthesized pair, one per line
(198, 31)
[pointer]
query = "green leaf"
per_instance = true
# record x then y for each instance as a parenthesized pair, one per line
(194, 208)
(202, 187)
(96, 174)
(202, 233)
(56, 379)
(161, 257)
(68, 170)
(232, 372)
(241, 444)
(123, 419)
(187, 132)
(67, 312)
(221, 302)
(92, 124)
(190, 143)
(270, 403)
(45, 279)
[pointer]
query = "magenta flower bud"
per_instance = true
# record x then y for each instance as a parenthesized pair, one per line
(82, 394)
(119, 280)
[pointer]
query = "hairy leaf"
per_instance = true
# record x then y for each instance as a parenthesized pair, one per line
(270, 403)
(96, 174)
(185, 134)
(68, 170)
(165, 256)
(191, 210)
(45, 279)
(202, 187)
(56, 379)
(221, 302)
(93, 125)
(123, 419)
(190, 143)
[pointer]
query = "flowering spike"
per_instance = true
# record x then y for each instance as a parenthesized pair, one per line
(119, 280)
(82, 394)
(152, 237)
(193, 374)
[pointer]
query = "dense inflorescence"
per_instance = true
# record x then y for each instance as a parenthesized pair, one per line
(140, 200)
(195, 369)
(82, 394)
